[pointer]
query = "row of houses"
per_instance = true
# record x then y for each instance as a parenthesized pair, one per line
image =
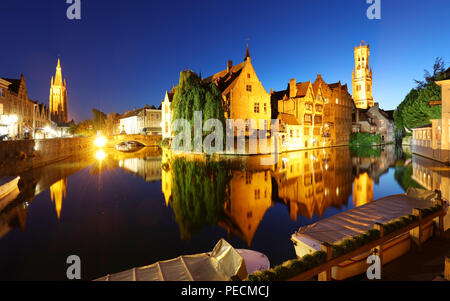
(20, 116)
(310, 114)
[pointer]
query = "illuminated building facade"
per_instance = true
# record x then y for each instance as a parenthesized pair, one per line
(243, 96)
(19, 115)
(322, 112)
(362, 78)
(58, 98)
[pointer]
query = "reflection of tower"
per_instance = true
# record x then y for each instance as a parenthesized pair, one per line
(250, 197)
(58, 194)
(362, 190)
(58, 98)
(362, 78)
(166, 176)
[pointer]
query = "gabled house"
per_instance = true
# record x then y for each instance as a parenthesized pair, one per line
(243, 96)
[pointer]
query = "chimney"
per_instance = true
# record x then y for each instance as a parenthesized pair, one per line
(292, 88)
(229, 65)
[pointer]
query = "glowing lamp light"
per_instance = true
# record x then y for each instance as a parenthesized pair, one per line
(100, 141)
(100, 155)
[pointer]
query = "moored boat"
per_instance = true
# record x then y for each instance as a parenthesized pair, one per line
(8, 190)
(129, 146)
(223, 263)
(358, 220)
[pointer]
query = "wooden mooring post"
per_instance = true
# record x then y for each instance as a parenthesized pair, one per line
(416, 233)
(447, 269)
(326, 275)
(440, 202)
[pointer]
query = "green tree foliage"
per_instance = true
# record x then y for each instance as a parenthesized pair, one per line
(192, 94)
(364, 139)
(84, 128)
(198, 194)
(415, 111)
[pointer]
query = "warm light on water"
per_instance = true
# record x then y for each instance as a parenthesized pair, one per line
(121, 210)
(100, 155)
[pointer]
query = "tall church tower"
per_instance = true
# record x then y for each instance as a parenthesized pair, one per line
(58, 98)
(362, 78)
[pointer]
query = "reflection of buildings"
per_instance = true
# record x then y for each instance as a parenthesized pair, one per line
(311, 181)
(433, 175)
(250, 197)
(375, 165)
(362, 190)
(36, 181)
(58, 194)
(147, 168)
(307, 182)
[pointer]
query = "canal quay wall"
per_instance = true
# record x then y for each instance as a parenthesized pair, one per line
(22, 155)
(440, 155)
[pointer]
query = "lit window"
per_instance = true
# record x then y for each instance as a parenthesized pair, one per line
(337, 101)
(256, 107)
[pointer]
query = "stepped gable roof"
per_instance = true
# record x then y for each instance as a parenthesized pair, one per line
(288, 119)
(15, 84)
(226, 79)
(302, 88)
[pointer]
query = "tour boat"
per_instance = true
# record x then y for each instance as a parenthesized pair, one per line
(128, 146)
(8, 190)
(356, 221)
(223, 263)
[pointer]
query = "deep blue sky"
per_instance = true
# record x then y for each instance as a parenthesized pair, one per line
(125, 54)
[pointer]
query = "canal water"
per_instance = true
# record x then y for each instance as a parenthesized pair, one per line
(121, 210)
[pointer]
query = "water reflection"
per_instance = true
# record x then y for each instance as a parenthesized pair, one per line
(200, 200)
(197, 202)
(58, 194)
(432, 175)
(236, 193)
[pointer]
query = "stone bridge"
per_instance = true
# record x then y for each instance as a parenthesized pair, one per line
(147, 140)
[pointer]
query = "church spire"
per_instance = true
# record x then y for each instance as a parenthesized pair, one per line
(58, 75)
(247, 53)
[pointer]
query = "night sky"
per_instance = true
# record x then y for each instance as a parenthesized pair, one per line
(125, 54)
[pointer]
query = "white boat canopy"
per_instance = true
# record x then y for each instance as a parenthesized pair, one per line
(222, 264)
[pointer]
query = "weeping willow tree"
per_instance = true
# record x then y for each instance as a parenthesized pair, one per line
(192, 94)
(199, 192)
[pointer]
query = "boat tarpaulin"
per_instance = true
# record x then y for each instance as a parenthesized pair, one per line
(359, 220)
(222, 264)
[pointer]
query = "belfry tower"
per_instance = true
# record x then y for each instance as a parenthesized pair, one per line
(362, 78)
(58, 98)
